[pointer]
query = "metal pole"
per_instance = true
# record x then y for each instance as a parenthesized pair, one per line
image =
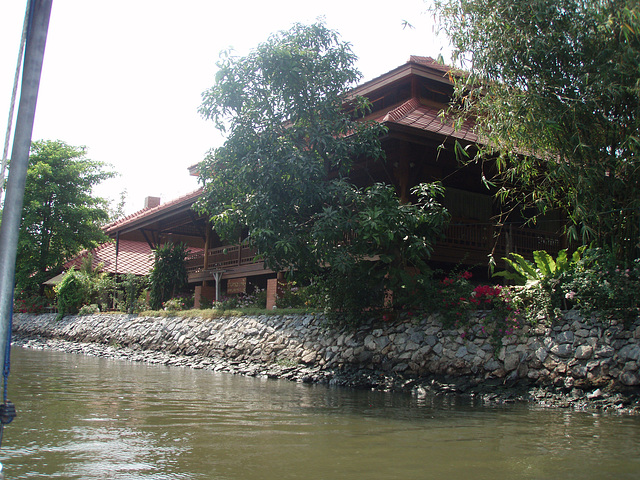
(12, 213)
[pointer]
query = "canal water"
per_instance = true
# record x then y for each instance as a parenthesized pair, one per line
(84, 418)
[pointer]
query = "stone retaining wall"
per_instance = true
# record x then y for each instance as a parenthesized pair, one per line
(579, 353)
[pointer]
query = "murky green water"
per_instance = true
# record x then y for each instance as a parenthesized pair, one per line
(89, 418)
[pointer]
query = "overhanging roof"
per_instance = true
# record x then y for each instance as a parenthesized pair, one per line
(175, 217)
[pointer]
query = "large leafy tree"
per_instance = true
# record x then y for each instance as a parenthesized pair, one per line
(282, 173)
(60, 215)
(555, 88)
(287, 133)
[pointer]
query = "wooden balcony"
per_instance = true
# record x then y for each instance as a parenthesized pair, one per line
(464, 243)
(232, 260)
(470, 244)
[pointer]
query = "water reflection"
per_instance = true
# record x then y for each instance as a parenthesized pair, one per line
(87, 418)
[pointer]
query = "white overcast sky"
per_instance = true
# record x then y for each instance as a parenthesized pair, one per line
(124, 78)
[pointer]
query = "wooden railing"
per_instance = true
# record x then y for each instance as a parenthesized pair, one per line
(222, 258)
(472, 243)
(466, 243)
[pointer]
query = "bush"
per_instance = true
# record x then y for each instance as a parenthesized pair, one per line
(30, 304)
(295, 296)
(349, 298)
(175, 304)
(599, 285)
(72, 292)
(169, 274)
(89, 309)
(133, 287)
(591, 281)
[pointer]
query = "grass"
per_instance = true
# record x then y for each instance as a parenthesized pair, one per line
(213, 313)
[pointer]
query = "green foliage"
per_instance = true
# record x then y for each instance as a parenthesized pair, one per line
(599, 285)
(555, 88)
(134, 287)
(83, 287)
(30, 304)
(169, 274)
(350, 297)
(592, 281)
(283, 170)
(91, 309)
(546, 269)
(72, 292)
(99, 286)
(61, 217)
(175, 304)
(282, 106)
(473, 309)
(539, 293)
(295, 295)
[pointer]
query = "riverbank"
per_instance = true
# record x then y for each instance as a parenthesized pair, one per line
(568, 366)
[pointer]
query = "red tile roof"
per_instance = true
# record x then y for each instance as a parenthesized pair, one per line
(411, 114)
(148, 212)
(133, 257)
(429, 62)
(414, 114)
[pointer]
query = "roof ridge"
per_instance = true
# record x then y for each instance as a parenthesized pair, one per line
(146, 211)
(402, 110)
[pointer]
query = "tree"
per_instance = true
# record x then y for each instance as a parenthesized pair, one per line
(282, 173)
(554, 86)
(169, 273)
(60, 216)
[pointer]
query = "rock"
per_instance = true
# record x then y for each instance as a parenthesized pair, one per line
(584, 352)
(629, 352)
(462, 351)
(308, 358)
(605, 351)
(431, 340)
(396, 357)
(597, 393)
(511, 361)
(565, 337)
(492, 365)
(369, 342)
(541, 354)
(563, 350)
(579, 371)
(630, 378)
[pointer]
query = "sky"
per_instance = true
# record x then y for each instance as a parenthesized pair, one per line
(124, 78)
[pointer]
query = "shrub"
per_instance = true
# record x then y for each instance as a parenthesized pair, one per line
(591, 282)
(72, 292)
(133, 287)
(169, 274)
(296, 296)
(599, 285)
(175, 304)
(30, 304)
(89, 309)
(350, 298)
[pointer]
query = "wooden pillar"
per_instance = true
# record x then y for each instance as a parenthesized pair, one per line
(402, 172)
(207, 242)
(274, 290)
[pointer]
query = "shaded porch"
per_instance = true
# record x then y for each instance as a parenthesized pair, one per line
(472, 243)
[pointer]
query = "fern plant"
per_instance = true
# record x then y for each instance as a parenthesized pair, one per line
(545, 268)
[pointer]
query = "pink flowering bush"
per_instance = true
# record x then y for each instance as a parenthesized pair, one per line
(486, 310)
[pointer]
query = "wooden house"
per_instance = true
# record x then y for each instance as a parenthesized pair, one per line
(419, 147)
